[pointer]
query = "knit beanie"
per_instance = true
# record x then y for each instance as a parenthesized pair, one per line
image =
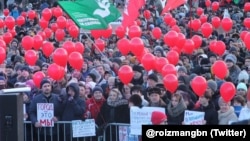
(158, 117)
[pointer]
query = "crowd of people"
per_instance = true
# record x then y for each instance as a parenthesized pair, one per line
(96, 91)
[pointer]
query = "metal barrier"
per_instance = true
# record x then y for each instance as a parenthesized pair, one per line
(118, 132)
(62, 131)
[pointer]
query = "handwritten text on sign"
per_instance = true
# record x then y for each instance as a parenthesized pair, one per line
(45, 113)
(193, 117)
(83, 128)
(141, 116)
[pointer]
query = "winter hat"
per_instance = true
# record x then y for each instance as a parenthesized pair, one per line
(39, 63)
(212, 85)
(92, 76)
(154, 90)
(152, 76)
(243, 75)
(30, 83)
(138, 68)
(181, 68)
(182, 87)
(117, 60)
(26, 68)
(242, 86)
(44, 81)
(231, 57)
(158, 117)
(97, 88)
(160, 49)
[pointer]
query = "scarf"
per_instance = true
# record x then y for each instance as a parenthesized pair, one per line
(176, 111)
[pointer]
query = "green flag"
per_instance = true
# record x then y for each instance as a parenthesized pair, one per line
(91, 14)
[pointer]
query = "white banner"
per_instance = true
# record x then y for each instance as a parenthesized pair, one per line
(193, 117)
(83, 128)
(45, 114)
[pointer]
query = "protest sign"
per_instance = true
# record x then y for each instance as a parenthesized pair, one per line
(193, 117)
(45, 113)
(83, 128)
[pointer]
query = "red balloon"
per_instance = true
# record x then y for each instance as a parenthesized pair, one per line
(203, 19)
(160, 63)
(43, 23)
(247, 22)
(228, 1)
(20, 20)
(47, 14)
(227, 91)
(42, 34)
(219, 68)
(220, 48)
(12, 31)
(176, 28)
(9, 22)
(60, 57)
(199, 11)
(134, 31)
(199, 85)
(243, 34)
(156, 32)
(120, 31)
(188, 47)
(69, 46)
(7, 37)
(69, 23)
(57, 12)
(2, 55)
(3, 44)
(137, 46)
(226, 24)
(55, 71)
(37, 78)
(27, 42)
(100, 44)
(74, 31)
(106, 33)
(75, 60)
(147, 60)
(24, 14)
(206, 29)
(168, 18)
(54, 27)
(32, 14)
(207, 3)
(31, 57)
(79, 47)
(171, 38)
(125, 74)
(38, 42)
(247, 41)
(6, 12)
(247, 7)
(173, 57)
(195, 24)
(2, 24)
(124, 46)
(61, 22)
(212, 45)
(173, 22)
(170, 82)
(48, 32)
(216, 22)
(95, 33)
(197, 41)
(60, 34)
(47, 49)
(181, 40)
(147, 14)
(215, 6)
(168, 69)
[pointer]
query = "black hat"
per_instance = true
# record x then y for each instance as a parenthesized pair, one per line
(97, 88)
(153, 76)
(26, 68)
(117, 60)
(154, 90)
(44, 81)
(136, 100)
(92, 76)
(182, 87)
(138, 68)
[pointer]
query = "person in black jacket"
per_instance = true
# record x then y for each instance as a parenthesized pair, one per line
(73, 107)
(46, 97)
(211, 115)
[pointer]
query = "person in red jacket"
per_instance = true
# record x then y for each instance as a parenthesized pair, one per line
(94, 104)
